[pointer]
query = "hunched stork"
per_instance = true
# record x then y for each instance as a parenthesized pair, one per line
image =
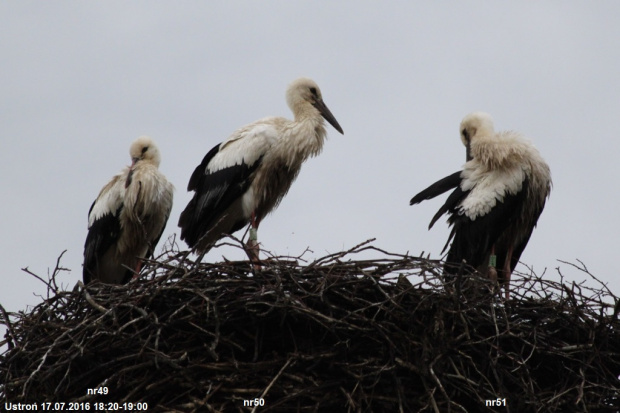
(245, 177)
(128, 217)
(496, 202)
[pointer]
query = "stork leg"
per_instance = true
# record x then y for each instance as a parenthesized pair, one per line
(251, 247)
(507, 271)
(492, 271)
(136, 273)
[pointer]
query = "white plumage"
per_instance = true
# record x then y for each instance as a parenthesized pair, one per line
(497, 199)
(127, 219)
(245, 177)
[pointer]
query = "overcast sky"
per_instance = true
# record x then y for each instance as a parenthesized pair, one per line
(81, 80)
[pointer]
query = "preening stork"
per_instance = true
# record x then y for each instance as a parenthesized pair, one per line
(244, 178)
(128, 217)
(496, 201)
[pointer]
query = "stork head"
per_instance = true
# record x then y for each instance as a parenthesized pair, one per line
(304, 94)
(144, 149)
(474, 126)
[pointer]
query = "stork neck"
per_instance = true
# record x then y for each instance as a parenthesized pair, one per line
(311, 128)
(305, 139)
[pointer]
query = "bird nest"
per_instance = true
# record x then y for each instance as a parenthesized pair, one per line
(340, 333)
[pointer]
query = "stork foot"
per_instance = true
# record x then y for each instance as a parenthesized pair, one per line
(492, 275)
(252, 249)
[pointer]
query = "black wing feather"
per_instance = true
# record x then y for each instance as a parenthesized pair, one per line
(214, 194)
(438, 188)
(472, 239)
(151, 249)
(520, 247)
(104, 233)
(451, 204)
(199, 172)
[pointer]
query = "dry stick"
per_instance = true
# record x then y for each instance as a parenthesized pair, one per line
(27, 270)
(430, 368)
(56, 271)
(90, 299)
(262, 396)
(9, 327)
(339, 291)
(337, 255)
(584, 269)
(56, 341)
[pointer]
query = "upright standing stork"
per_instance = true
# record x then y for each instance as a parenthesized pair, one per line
(245, 177)
(496, 201)
(128, 217)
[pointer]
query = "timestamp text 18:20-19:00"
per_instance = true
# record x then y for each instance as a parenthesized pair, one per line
(77, 406)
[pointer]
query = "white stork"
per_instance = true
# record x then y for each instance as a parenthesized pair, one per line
(128, 217)
(496, 202)
(245, 177)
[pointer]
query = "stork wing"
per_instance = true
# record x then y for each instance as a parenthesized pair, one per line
(104, 228)
(438, 188)
(161, 211)
(223, 176)
(472, 239)
(520, 247)
(148, 202)
(155, 240)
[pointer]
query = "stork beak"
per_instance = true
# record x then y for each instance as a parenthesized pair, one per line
(133, 162)
(327, 114)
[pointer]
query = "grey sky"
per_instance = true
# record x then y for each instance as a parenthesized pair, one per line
(81, 80)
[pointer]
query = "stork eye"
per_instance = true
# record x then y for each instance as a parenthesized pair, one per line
(465, 134)
(313, 91)
(146, 148)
